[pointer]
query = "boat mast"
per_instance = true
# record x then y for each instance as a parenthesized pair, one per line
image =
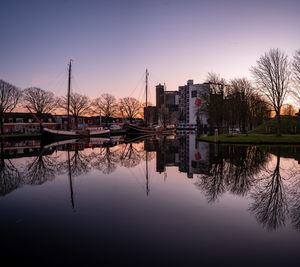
(69, 91)
(147, 73)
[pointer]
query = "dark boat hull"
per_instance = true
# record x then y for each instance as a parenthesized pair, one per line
(138, 130)
(50, 135)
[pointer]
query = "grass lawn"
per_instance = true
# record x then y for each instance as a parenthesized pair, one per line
(289, 125)
(255, 139)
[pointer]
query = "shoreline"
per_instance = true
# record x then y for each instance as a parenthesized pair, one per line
(253, 139)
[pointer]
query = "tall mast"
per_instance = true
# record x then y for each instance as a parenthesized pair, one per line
(147, 73)
(69, 91)
(145, 117)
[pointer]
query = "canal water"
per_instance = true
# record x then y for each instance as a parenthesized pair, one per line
(167, 201)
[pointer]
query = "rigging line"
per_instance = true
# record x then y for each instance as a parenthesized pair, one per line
(140, 80)
(76, 83)
(52, 81)
(149, 94)
(140, 183)
(142, 94)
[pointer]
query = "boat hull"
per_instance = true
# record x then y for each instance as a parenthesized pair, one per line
(63, 135)
(138, 130)
(134, 129)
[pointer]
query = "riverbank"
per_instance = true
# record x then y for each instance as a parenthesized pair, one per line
(254, 139)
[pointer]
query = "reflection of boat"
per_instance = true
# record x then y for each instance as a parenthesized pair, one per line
(60, 143)
(90, 141)
(78, 133)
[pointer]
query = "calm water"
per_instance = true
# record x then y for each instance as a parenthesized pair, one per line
(158, 202)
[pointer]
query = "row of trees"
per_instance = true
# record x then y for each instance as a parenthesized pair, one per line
(239, 102)
(234, 102)
(40, 101)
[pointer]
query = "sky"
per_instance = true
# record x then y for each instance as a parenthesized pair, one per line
(112, 42)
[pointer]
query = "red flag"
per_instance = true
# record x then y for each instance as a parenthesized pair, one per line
(198, 101)
(197, 156)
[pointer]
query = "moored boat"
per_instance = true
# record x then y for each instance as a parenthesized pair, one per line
(64, 134)
(71, 133)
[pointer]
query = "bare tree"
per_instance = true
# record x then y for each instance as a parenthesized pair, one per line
(164, 115)
(106, 105)
(9, 98)
(260, 110)
(288, 110)
(214, 99)
(240, 91)
(130, 107)
(296, 74)
(272, 75)
(79, 105)
(39, 100)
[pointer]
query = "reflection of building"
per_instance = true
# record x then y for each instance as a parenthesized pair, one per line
(183, 151)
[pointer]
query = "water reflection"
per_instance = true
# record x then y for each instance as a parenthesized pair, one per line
(269, 176)
(232, 168)
(270, 204)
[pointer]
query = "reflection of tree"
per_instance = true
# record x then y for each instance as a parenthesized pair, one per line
(232, 169)
(41, 169)
(294, 201)
(106, 160)
(270, 202)
(79, 162)
(131, 155)
(295, 212)
(10, 177)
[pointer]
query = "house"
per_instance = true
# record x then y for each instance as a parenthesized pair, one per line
(19, 122)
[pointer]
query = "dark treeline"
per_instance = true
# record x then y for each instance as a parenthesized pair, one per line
(40, 101)
(239, 102)
(234, 104)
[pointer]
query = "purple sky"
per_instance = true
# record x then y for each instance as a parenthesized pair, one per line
(112, 42)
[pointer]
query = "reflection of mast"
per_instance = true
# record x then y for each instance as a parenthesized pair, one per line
(70, 179)
(147, 177)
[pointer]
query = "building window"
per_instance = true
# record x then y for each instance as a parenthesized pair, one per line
(79, 120)
(10, 120)
(29, 120)
(49, 120)
(194, 93)
(19, 120)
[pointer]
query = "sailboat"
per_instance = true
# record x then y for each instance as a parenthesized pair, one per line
(146, 130)
(67, 134)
